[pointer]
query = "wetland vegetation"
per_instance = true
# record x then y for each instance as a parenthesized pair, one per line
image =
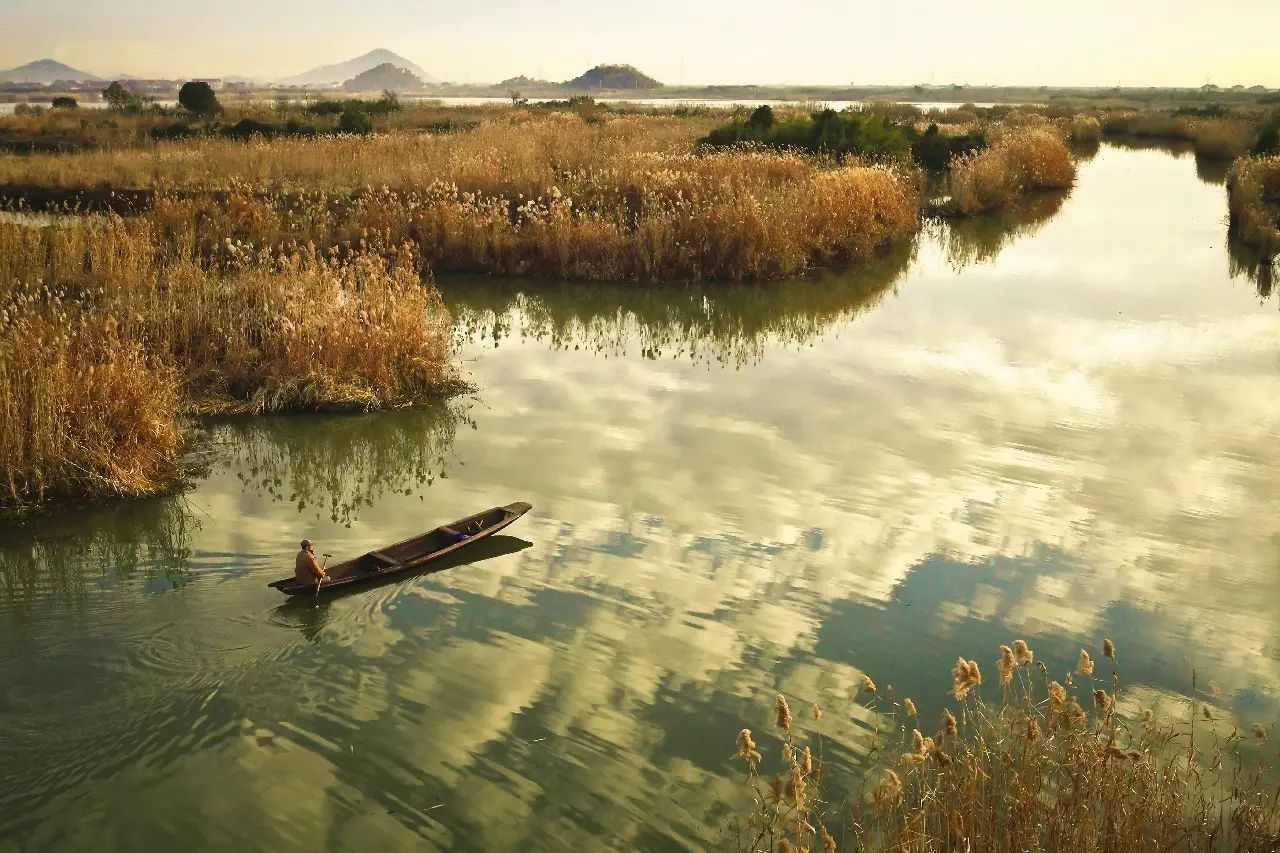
(258, 258)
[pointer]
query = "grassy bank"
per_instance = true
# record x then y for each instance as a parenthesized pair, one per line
(114, 328)
(1069, 765)
(1253, 193)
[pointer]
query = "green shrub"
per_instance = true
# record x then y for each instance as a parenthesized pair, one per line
(355, 121)
(823, 132)
(64, 102)
(197, 97)
(934, 151)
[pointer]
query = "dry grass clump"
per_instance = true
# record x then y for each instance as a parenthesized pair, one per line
(1018, 161)
(1221, 138)
(1085, 130)
(1053, 766)
(1253, 193)
(84, 412)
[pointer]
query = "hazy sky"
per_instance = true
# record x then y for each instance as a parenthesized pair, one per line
(1086, 42)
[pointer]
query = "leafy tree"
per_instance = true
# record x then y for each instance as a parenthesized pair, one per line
(63, 102)
(120, 99)
(197, 97)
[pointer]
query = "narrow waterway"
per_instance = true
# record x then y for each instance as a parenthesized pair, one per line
(1060, 423)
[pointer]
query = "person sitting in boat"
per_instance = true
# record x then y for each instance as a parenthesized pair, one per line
(305, 568)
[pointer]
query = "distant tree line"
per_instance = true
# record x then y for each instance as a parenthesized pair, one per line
(843, 134)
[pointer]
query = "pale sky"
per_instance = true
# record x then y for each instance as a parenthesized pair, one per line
(1086, 42)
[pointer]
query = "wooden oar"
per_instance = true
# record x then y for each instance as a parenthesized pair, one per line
(321, 580)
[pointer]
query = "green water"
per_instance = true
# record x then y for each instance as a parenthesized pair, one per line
(1061, 423)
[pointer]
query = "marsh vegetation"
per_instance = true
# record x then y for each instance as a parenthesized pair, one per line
(258, 258)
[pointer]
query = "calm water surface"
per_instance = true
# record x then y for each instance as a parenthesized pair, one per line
(1057, 424)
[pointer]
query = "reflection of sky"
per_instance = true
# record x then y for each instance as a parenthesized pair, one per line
(1073, 439)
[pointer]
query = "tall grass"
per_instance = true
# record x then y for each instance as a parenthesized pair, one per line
(1253, 194)
(1020, 160)
(1085, 130)
(1215, 137)
(84, 411)
(159, 330)
(1070, 765)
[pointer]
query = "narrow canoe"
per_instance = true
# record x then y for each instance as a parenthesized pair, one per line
(410, 554)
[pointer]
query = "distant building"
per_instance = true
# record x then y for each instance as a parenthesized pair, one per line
(215, 83)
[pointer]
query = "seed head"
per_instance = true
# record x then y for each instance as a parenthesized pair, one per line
(889, 791)
(747, 747)
(909, 707)
(1102, 699)
(1108, 649)
(795, 788)
(1022, 652)
(806, 762)
(965, 676)
(1057, 696)
(817, 712)
(1033, 729)
(1259, 733)
(783, 717)
(868, 686)
(948, 723)
(1084, 666)
(1005, 665)
(1147, 717)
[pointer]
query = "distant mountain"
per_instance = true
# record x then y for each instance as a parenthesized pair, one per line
(385, 76)
(44, 71)
(613, 77)
(333, 75)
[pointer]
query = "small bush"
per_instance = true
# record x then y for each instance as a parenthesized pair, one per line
(174, 130)
(197, 97)
(64, 102)
(935, 150)
(823, 132)
(355, 121)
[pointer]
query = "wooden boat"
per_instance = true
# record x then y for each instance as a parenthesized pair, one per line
(411, 554)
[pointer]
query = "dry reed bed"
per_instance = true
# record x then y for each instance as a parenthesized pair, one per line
(1253, 194)
(83, 410)
(1019, 160)
(616, 199)
(514, 154)
(1221, 138)
(1052, 766)
(159, 332)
